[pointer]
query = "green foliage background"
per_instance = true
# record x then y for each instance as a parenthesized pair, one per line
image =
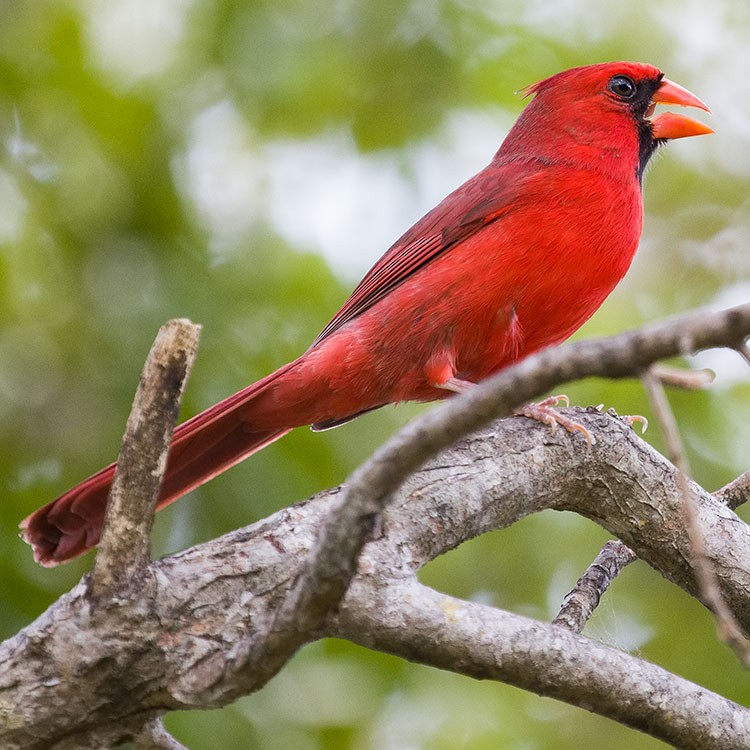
(170, 158)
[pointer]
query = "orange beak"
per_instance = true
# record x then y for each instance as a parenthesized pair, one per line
(670, 125)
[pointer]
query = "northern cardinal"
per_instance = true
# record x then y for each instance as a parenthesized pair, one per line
(514, 260)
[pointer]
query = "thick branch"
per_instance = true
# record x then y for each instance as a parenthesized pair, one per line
(487, 643)
(625, 355)
(369, 490)
(212, 609)
(210, 598)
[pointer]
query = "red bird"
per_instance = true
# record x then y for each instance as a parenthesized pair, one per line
(514, 260)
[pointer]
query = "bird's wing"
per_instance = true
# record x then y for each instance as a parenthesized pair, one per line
(483, 199)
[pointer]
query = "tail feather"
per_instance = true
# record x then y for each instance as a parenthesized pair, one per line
(202, 447)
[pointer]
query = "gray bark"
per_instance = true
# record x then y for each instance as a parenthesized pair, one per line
(218, 621)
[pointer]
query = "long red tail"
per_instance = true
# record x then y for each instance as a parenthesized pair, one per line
(202, 447)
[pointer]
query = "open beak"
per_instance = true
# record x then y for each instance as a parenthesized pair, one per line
(670, 125)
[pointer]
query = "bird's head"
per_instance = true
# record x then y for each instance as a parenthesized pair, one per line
(608, 107)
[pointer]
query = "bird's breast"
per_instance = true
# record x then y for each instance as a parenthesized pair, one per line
(521, 283)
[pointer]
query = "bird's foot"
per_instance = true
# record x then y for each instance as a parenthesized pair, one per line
(631, 419)
(544, 411)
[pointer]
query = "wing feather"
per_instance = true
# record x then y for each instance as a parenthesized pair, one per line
(485, 198)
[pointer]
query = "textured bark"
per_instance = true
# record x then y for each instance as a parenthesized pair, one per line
(124, 549)
(77, 668)
(217, 621)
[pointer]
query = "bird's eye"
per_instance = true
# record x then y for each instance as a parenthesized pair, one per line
(622, 86)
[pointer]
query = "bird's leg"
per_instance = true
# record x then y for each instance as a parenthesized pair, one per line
(456, 385)
(544, 412)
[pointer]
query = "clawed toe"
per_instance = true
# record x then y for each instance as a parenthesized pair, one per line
(544, 411)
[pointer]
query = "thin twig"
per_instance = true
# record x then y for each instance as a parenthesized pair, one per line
(736, 493)
(579, 604)
(679, 377)
(666, 418)
(744, 351)
(124, 550)
(154, 736)
(727, 626)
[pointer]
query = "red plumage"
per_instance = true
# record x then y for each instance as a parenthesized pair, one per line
(514, 260)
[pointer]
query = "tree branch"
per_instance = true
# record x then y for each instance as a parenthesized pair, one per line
(124, 552)
(211, 598)
(727, 627)
(625, 355)
(584, 598)
(736, 492)
(486, 643)
(154, 736)
(214, 609)
(369, 490)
